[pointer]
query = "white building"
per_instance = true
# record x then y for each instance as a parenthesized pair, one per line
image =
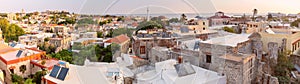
(184, 73)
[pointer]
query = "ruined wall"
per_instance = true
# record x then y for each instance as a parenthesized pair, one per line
(273, 52)
(233, 71)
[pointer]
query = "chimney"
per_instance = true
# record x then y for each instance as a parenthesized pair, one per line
(180, 59)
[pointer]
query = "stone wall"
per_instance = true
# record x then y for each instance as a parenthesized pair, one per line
(233, 72)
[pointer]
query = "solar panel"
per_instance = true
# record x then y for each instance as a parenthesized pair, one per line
(55, 71)
(19, 53)
(13, 45)
(63, 73)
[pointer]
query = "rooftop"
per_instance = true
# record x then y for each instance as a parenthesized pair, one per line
(118, 39)
(166, 72)
(85, 39)
(88, 74)
(14, 55)
(48, 63)
(228, 40)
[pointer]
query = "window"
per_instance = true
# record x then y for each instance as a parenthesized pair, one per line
(203, 23)
(208, 58)
(22, 68)
(142, 50)
(203, 28)
(12, 71)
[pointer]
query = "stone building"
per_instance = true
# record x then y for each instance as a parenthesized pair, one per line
(256, 27)
(290, 38)
(61, 42)
(234, 56)
(123, 41)
(219, 19)
(145, 40)
(197, 24)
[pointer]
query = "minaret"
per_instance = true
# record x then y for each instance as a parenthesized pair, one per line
(148, 16)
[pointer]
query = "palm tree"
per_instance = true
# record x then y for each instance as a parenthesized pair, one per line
(254, 14)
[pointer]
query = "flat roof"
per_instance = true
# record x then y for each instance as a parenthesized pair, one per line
(169, 74)
(12, 55)
(228, 40)
(48, 63)
(92, 73)
(85, 39)
(207, 31)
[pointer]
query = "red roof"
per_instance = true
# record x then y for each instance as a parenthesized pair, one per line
(118, 39)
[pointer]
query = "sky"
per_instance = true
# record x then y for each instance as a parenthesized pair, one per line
(155, 6)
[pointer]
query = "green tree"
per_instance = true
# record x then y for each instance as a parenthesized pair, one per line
(46, 39)
(63, 55)
(17, 79)
(11, 32)
(29, 81)
(86, 21)
(295, 23)
(37, 77)
(173, 20)
(122, 18)
(227, 29)
(283, 67)
(119, 31)
(100, 34)
(148, 25)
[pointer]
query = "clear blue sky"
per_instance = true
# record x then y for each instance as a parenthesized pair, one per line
(155, 6)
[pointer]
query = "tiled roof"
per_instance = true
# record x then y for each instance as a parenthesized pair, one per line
(118, 39)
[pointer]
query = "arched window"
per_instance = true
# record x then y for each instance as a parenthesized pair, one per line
(22, 68)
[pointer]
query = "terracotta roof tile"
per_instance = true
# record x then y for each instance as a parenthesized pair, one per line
(118, 39)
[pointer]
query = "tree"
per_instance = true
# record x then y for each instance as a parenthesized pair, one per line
(231, 30)
(173, 20)
(63, 55)
(283, 67)
(148, 25)
(86, 21)
(122, 18)
(37, 77)
(29, 81)
(11, 32)
(99, 34)
(119, 31)
(46, 39)
(17, 79)
(295, 23)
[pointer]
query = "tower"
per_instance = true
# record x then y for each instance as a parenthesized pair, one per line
(1, 37)
(148, 16)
